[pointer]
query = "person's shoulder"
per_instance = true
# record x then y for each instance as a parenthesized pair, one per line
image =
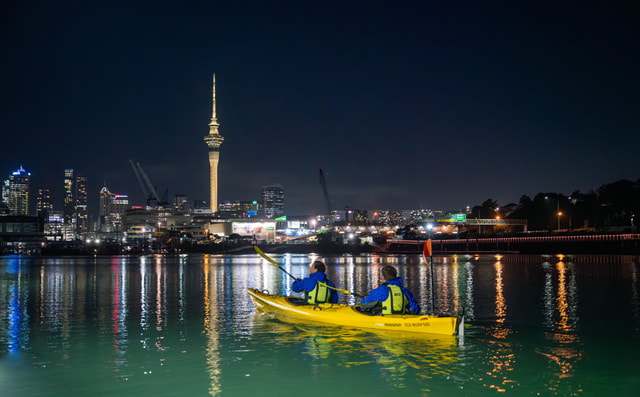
(381, 287)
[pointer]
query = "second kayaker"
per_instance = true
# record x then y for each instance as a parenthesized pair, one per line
(391, 297)
(315, 286)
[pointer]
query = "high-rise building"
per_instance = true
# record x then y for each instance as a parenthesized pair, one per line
(112, 209)
(69, 196)
(75, 200)
(44, 205)
(213, 140)
(105, 203)
(273, 200)
(81, 213)
(15, 192)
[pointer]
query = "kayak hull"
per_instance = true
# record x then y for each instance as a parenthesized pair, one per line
(350, 316)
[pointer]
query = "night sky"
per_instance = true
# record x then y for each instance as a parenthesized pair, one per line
(403, 104)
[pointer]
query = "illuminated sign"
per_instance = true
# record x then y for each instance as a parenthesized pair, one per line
(451, 218)
(257, 230)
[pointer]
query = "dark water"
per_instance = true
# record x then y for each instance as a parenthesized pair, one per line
(171, 325)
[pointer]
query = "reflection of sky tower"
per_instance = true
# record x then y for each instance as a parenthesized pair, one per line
(213, 140)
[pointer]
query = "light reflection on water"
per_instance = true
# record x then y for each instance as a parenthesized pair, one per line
(394, 357)
(166, 325)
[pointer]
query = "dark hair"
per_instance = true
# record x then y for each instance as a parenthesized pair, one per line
(389, 272)
(319, 266)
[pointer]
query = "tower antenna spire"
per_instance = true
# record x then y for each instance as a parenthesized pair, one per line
(214, 119)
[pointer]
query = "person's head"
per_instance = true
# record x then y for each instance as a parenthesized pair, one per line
(389, 273)
(318, 266)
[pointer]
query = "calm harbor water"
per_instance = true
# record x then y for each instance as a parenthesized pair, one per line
(184, 325)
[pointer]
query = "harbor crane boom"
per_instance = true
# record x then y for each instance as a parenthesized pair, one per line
(148, 189)
(323, 183)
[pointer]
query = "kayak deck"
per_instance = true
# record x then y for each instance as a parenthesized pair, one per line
(345, 315)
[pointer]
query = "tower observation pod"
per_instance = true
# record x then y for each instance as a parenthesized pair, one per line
(213, 140)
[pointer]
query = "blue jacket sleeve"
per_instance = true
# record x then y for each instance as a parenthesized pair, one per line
(378, 294)
(306, 284)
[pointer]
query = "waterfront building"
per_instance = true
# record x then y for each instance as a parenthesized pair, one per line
(15, 192)
(387, 218)
(55, 228)
(44, 205)
(213, 140)
(21, 234)
(359, 217)
(238, 209)
(273, 200)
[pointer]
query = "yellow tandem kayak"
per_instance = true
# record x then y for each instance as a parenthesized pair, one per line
(345, 315)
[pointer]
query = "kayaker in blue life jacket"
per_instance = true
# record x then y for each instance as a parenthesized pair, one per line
(394, 298)
(314, 286)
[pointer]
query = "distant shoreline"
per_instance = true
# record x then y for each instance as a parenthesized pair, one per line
(623, 244)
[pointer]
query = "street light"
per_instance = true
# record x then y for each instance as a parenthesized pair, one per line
(558, 213)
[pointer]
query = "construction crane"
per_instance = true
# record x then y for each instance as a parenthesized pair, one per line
(323, 183)
(148, 189)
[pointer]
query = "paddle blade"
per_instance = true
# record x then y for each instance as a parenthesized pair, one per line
(427, 250)
(262, 254)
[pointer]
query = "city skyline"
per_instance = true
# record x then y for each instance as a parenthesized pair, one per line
(408, 105)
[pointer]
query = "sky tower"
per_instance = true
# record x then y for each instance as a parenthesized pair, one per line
(213, 140)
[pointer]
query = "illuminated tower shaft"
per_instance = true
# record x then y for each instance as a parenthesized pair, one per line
(213, 140)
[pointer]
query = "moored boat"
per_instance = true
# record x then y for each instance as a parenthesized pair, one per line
(351, 316)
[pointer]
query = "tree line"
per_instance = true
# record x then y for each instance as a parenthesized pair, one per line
(611, 207)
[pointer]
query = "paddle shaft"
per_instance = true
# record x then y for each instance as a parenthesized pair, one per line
(427, 251)
(342, 290)
(270, 260)
(262, 254)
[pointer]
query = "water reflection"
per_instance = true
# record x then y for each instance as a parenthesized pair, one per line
(395, 357)
(120, 313)
(561, 319)
(211, 324)
(502, 357)
(156, 320)
(17, 316)
(468, 303)
(635, 296)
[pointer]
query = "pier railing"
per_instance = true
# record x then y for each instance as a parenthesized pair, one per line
(591, 243)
